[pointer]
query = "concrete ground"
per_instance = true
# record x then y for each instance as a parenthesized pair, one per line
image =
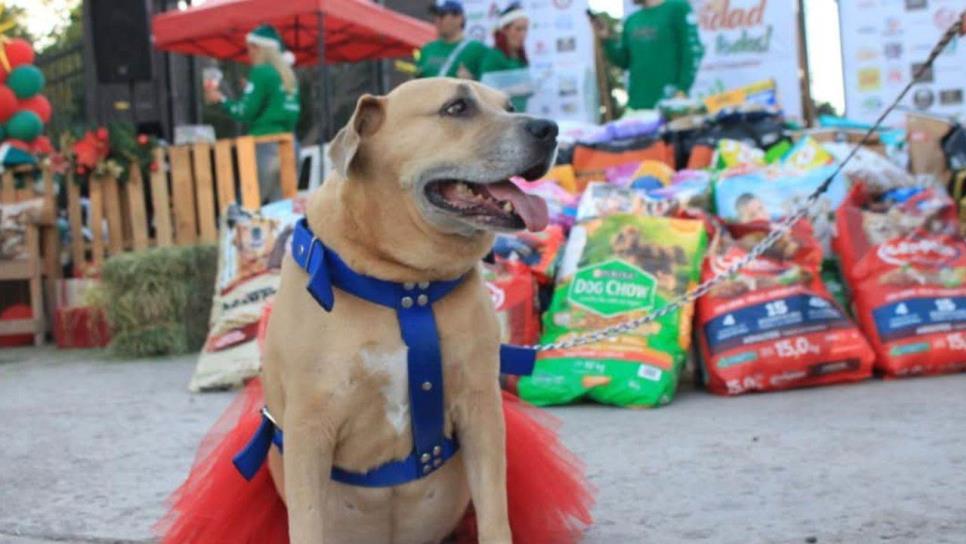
(91, 447)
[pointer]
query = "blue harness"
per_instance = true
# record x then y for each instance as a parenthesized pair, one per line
(413, 304)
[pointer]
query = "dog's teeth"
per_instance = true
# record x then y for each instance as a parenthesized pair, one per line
(508, 207)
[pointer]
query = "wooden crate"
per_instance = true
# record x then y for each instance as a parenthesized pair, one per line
(41, 267)
(189, 190)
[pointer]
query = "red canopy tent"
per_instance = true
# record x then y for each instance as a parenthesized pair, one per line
(336, 30)
(353, 30)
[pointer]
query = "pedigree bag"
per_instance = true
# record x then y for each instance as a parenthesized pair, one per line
(905, 261)
(773, 325)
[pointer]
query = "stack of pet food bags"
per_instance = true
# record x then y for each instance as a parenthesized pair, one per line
(650, 209)
(773, 324)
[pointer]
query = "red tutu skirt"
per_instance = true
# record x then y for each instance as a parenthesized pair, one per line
(549, 500)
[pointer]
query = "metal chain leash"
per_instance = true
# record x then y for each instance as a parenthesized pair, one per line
(778, 230)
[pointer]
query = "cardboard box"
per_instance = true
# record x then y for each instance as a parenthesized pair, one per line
(924, 136)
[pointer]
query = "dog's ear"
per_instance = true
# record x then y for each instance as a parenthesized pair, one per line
(367, 120)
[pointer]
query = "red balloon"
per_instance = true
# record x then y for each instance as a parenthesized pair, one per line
(8, 103)
(19, 52)
(39, 105)
(42, 146)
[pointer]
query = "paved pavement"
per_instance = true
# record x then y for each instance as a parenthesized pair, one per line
(91, 447)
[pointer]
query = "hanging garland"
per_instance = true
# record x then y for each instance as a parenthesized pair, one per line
(111, 152)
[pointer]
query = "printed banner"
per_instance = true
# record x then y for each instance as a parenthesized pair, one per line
(560, 48)
(746, 41)
(884, 42)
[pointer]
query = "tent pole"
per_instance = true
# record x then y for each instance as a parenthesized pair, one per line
(323, 108)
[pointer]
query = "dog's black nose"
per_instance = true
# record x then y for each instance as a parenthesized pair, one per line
(542, 130)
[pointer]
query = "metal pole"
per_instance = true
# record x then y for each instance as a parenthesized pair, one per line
(323, 110)
(808, 110)
(381, 64)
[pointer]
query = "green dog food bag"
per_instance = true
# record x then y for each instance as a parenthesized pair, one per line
(617, 268)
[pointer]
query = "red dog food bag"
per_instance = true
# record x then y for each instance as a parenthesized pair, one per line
(773, 325)
(513, 290)
(905, 262)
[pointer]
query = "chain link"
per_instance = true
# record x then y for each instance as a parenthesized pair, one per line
(778, 230)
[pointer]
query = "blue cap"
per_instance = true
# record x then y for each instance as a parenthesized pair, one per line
(441, 7)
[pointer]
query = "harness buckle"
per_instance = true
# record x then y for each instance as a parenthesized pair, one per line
(267, 415)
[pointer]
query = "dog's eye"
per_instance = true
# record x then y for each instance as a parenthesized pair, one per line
(510, 108)
(456, 108)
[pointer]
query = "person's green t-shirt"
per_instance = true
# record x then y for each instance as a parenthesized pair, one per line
(496, 61)
(433, 56)
(265, 106)
(661, 49)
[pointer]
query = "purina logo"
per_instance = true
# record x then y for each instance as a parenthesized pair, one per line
(497, 295)
(926, 252)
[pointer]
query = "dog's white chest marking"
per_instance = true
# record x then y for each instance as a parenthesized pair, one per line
(396, 391)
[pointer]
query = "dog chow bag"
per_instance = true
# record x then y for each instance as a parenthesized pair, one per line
(905, 263)
(617, 268)
(773, 325)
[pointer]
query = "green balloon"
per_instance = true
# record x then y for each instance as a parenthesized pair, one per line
(25, 81)
(3, 134)
(25, 125)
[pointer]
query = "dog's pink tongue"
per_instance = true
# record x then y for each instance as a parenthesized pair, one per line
(531, 208)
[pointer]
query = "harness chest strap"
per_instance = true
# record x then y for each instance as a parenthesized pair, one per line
(417, 325)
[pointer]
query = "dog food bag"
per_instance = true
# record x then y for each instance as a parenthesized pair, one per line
(14, 221)
(513, 290)
(251, 249)
(773, 194)
(905, 263)
(689, 192)
(538, 251)
(807, 155)
(731, 153)
(617, 268)
(603, 199)
(773, 325)
(591, 163)
(875, 171)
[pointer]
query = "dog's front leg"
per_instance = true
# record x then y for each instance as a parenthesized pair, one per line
(309, 449)
(482, 435)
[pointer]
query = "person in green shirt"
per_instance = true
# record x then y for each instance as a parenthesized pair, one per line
(269, 104)
(508, 53)
(661, 49)
(452, 55)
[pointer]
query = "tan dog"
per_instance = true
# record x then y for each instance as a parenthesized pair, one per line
(336, 382)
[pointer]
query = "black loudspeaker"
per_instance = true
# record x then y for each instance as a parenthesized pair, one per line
(122, 40)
